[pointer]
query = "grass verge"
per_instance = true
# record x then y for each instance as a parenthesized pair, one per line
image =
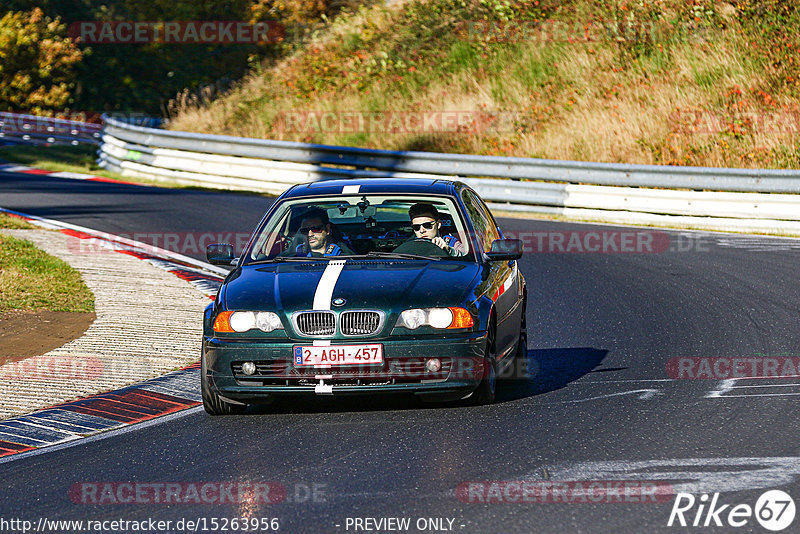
(81, 159)
(31, 279)
(14, 223)
(58, 158)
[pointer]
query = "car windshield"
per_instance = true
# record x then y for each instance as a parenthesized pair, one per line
(363, 225)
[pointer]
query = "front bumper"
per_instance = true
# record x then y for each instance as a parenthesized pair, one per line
(403, 370)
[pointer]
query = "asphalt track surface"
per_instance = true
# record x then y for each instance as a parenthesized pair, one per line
(602, 405)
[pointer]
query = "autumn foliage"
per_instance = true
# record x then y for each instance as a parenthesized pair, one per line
(37, 62)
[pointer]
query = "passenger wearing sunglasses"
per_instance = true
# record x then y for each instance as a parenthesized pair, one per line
(316, 227)
(426, 224)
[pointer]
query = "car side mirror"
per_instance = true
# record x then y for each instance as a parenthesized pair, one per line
(505, 250)
(219, 254)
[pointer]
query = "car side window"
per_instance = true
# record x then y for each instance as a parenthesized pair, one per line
(492, 231)
(481, 219)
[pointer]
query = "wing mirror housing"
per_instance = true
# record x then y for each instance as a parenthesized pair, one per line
(505, 250)
(220, 254)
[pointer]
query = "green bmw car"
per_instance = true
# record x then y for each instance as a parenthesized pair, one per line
(361, 287)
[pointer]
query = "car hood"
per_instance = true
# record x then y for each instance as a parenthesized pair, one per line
(373, 284)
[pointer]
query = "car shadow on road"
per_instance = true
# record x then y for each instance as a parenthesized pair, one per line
(548, 370)
(552, 369)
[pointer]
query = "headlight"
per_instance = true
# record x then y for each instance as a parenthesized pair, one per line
(440, 317)
(435, 317)
(268, 321)
(242, 321)
(412, 319)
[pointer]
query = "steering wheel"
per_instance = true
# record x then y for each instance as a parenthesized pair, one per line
(421, 246)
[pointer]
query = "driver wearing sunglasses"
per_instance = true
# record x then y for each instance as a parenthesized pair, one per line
(316, 228)
(426, 223)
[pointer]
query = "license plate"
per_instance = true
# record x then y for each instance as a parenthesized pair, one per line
(305, 356)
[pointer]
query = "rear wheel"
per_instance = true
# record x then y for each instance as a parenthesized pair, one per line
(522, 362)
(213, 403)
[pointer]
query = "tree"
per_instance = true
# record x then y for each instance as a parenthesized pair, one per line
(37, 62)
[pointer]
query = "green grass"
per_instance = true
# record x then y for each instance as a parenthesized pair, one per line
(615, 93)
(539, 69)
(31, 279)
(14, 223)
(463, 56)
(81, 159)
(58, 158)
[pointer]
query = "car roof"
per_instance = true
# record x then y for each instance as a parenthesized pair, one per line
(429, 186)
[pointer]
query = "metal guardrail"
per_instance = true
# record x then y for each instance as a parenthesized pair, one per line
(749, 200)
(712, 198)
(701, 178)
(34, 129)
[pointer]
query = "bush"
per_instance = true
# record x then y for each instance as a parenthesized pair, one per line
(36, 62)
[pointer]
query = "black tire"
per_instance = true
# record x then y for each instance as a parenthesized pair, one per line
(487, 389)
(213, 403)
(522, 364)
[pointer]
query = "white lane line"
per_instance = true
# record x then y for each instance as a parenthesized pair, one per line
(580, 383)
(644, 394)
(759, 395)
(144, 247)
(726, 386)
(690, 475)
(768, 386)
(49, 428)
(15, 168)
(324, 292)
(722, 388)
(73, 175)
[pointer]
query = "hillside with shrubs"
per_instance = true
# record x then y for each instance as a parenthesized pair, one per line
(682, 82)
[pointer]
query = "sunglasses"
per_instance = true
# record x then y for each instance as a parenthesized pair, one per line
(427, 225)
(316, 229)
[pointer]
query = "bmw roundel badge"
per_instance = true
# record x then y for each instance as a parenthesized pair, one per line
(339, 301)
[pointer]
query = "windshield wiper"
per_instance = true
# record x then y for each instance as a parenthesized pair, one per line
(395, 255)
(401, 255)
(281, 259)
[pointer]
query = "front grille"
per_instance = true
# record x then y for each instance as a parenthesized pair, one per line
(316, 323)
(359, 323)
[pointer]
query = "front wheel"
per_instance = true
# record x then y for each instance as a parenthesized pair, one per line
(487, 389)
(522, 364)
(213, 403)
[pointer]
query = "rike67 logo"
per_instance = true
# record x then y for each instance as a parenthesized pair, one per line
(774, 510)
